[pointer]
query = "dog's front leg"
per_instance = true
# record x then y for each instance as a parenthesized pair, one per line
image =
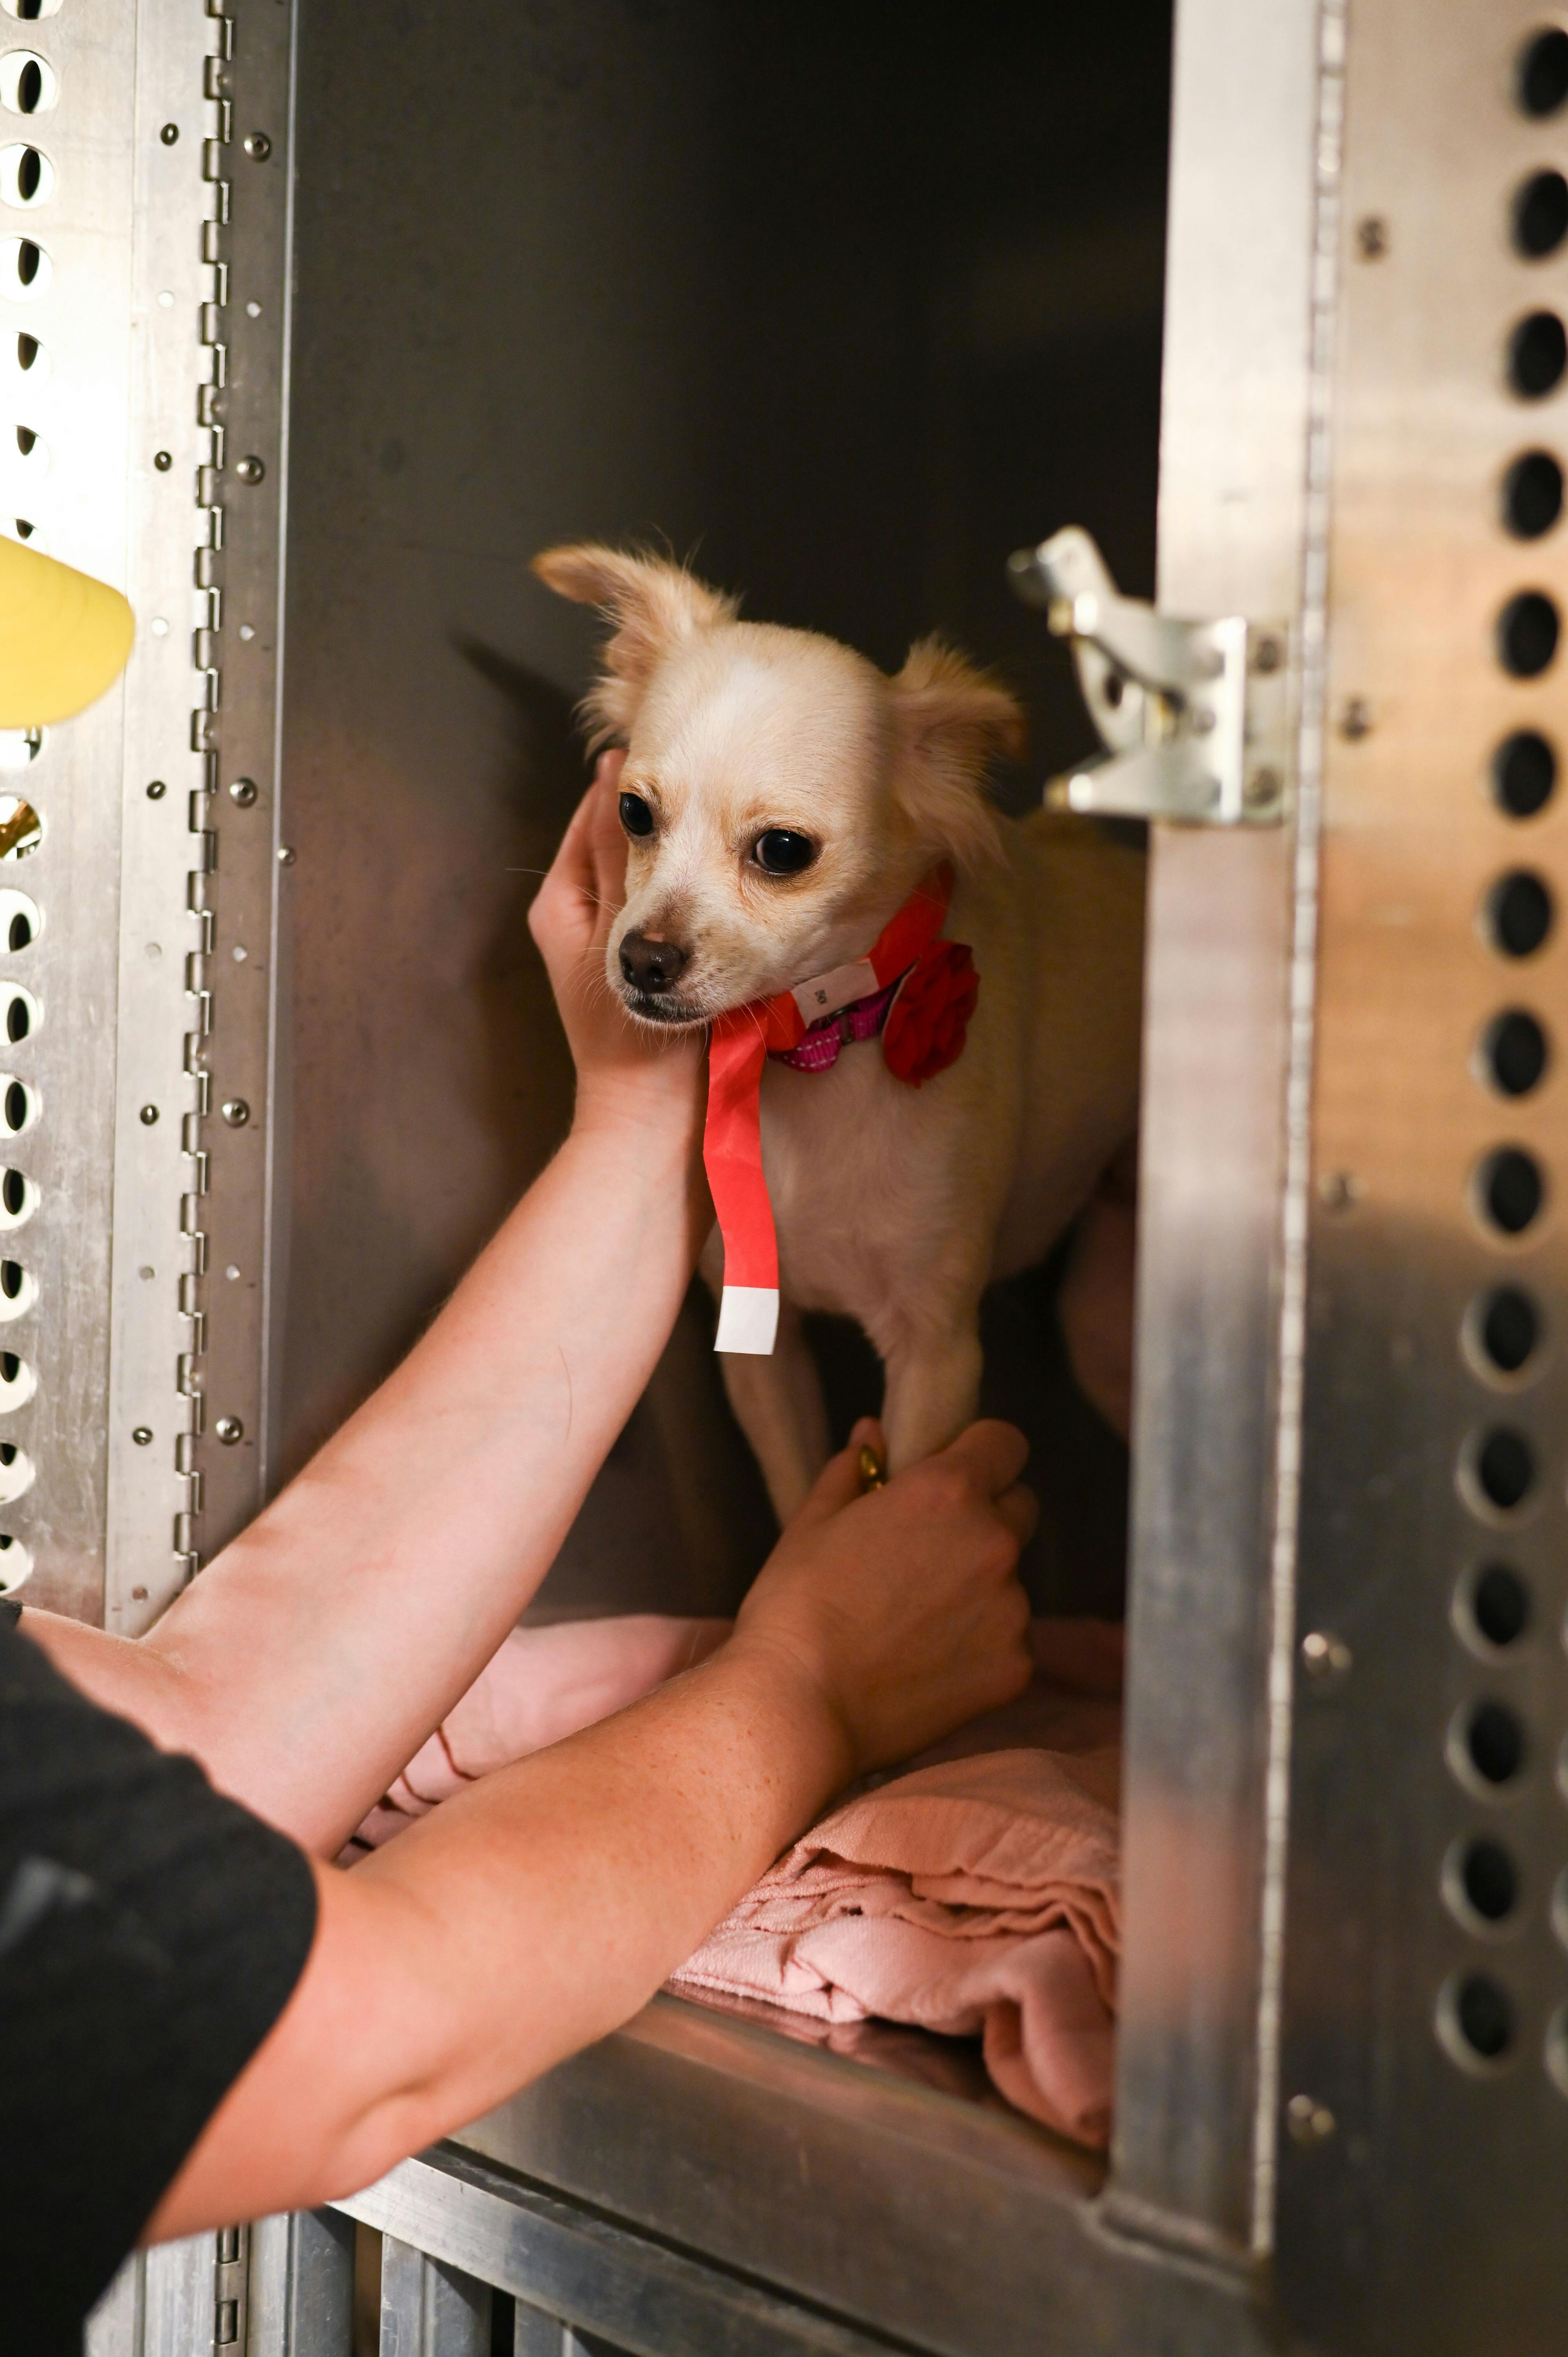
(778, 1401)
(779, 1405)
(932, 1386)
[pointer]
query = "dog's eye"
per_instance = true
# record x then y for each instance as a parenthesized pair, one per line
(636, 815)
(782, 851)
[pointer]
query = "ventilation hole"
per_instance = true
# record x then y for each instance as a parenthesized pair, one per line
(1514, 1052)
(14, 1193)
(1511, 1190)
(1499, 1605)
(1524, 773)
(1540, 214)
(15, 1564)
(1541, 76)
(1508, 1325)
(19, 1106)
(1527, 634)
(26, 352)
(1518, 913)
(30, 88)
(13, 1275)
(1504, 1464)
(29, 174)
(20, 933)
(1484, 2015)
(24, 269)
(1533, 495)
(10, 1366)
(1538, 354)
(25, 439)
(24, 530)
(18, 1022)
(1494, 1744)
(1489, 1880)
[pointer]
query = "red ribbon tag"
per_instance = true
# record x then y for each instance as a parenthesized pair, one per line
(924, 1034)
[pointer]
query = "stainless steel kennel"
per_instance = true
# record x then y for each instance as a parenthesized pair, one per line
(275, 1056)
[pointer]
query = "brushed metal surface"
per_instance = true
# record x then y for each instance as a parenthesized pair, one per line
(1233, 519)
(430, 2307)
(1421, 2202)
(76, 399)
(950, 2224)
(301, 2286)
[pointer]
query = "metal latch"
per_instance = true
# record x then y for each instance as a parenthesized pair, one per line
(1196, 715)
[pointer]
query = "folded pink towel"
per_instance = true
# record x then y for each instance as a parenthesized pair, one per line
(976, 1894)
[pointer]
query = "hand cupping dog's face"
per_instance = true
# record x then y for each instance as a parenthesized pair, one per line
(780, 796)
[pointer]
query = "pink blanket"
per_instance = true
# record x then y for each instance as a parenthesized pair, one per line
(976, 1894)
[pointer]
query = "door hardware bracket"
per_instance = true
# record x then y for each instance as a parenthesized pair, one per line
(1195, 715)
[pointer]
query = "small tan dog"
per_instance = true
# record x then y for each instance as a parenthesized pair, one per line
(782, 798)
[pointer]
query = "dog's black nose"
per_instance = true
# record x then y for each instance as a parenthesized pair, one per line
(651, 966)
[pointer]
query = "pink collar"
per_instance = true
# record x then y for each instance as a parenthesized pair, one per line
(863, 1018)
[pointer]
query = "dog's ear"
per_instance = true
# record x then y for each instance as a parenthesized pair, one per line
(952, 722)
(652, 604)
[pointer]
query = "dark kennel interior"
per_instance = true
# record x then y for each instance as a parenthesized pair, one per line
(849, 302)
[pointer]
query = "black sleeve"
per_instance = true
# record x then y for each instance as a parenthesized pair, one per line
(151, 1934)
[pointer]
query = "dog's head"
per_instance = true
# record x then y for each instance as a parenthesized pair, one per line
(780, 796)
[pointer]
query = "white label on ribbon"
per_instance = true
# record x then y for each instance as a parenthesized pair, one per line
(826, 993)
(748, 1319)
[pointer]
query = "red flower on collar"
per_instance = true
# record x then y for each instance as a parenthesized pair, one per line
(928, 1020)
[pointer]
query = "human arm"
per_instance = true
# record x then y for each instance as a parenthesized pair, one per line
(311, 1658)
(539, 1909)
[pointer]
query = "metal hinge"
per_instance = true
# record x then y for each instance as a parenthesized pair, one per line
(1196, 715)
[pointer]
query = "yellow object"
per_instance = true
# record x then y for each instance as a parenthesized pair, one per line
(64, 637)
(873, 1472)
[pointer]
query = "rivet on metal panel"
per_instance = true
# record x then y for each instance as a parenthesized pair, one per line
(236, 1112)
(258, 147)
(251, 469)
(169, 134)
(1309, 2122)
(229, 1429)
(142, 1435)
(149, 1114)
(1327, 1659)
(244, 791)
(1371, 237)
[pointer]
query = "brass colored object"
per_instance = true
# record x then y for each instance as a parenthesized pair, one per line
(873, 1472)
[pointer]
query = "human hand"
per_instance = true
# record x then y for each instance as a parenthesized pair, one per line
(901, 1608)
(623, 1070)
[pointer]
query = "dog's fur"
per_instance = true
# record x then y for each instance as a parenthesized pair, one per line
(895, 1204)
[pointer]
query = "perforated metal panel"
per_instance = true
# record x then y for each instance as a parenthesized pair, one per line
(143, 334)
(1423, 2143)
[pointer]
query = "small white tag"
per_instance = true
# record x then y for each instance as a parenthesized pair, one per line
(748, 1319)
(826, 993)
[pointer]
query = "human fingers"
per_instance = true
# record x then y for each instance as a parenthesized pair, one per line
(561, 918)
(1020, 1510)
(606, 842)
(989, 1453)
(839, 1483)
